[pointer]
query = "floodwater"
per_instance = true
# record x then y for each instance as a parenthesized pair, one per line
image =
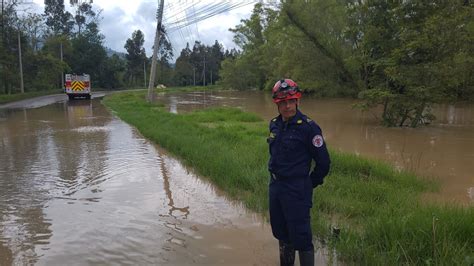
(443, 151)
(79, 186)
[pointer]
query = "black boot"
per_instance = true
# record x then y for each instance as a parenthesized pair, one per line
(306, 258)
(287, 254)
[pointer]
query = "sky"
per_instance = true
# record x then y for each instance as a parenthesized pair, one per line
(120, 18)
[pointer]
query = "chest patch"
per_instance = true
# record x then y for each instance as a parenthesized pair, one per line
(318, 141)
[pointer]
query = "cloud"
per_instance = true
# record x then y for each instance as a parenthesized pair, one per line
(115, 28)
(209, 30)
(120, 18)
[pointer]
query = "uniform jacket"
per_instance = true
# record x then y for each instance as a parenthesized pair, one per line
(293, 145)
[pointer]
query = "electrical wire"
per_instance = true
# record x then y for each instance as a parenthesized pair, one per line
(202, 16)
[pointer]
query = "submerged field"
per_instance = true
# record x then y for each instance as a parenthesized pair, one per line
(378, 209)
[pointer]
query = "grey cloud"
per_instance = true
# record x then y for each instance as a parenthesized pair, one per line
(115, 28)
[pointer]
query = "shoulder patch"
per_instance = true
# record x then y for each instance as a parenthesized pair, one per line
(299, 122)
(274, 119)
(318, 141)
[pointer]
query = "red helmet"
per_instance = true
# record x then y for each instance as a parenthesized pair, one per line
(285, 89)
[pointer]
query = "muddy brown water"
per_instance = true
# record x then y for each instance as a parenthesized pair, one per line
(443, 151)
(78, 186)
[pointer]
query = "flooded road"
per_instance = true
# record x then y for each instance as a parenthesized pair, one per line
(79, 187)
(443, 151)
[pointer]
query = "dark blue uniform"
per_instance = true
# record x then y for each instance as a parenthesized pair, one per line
(293, 145)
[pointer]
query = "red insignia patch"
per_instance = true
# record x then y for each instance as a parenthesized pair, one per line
(318, 141)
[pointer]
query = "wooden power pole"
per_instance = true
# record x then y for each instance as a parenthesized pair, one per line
(22, 86)
(151, 84)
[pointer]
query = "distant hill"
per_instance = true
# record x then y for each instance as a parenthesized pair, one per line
(111, 52)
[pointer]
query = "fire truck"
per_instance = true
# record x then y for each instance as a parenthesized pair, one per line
(78, 86)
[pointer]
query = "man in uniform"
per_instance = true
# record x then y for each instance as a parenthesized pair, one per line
(294, 141)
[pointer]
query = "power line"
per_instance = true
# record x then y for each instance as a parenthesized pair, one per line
(205, 10)
(176, 25)
(179, 18)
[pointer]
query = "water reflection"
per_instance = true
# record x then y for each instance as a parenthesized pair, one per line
(444, 150)
(169, 194)
(42, 157)
(78, 185)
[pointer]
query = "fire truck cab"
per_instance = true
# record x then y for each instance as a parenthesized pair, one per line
(78, 86)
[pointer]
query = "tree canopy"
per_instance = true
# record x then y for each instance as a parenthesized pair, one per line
(401, 55)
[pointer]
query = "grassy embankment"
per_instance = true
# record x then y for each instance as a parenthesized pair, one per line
(377, 208)
(7, 98)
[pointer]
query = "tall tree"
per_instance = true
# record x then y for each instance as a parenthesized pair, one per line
(83, 11)
(165, 55)
(322, 23)
(12, 38)
(88, 52)
(200, 66)
(249, 36)
(34, 27)
(135, 57)
(52, 48)
(413, 55)
(184, 73)
(58, 20)
(216, 55)
(112, 72)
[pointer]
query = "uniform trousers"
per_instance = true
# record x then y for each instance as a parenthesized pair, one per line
(290, 206)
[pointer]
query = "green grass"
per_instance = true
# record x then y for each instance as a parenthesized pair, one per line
(378, 209)
(7, 98)
(193, 88)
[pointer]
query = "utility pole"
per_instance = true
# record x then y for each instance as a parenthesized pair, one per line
(4, 76)
(144, 71)
(204, 72)
(22, 87)
(3, 23)
(62, 72)
(155, 52)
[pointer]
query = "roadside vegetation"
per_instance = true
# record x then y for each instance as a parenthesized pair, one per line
(377, 209)
(399, 57)
(402, 56)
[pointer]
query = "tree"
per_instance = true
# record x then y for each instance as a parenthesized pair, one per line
(235, 74)
(58, 20)
(83, 11)
(165, 55)
(112, 72)
(88, 53)
(199, 66)
(34, 27)
(322, 23)
(135, 57)
(250, 37)
(52, 48)
(44, 71)
(12, 40)
(216, 55)
(7, 45)
(184, 70)
(411, 56)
